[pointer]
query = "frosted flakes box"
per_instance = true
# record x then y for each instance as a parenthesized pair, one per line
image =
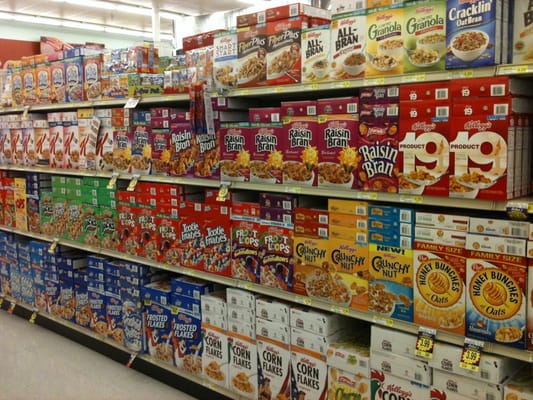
(225, 55)
(215, 356)
(315, 54)
(157, 323)
(273, 368)
(266, 164)
(309, 374)
(243, 365)
(115, 323)
(245, 250)
(187, 341)
(346, 384)
(385, 41)
(424, 151)
(275, 257)
(236, 145)
(252, 55)
(475, 34)
(337, 151)
(348, 41)
(300, 156)
(385, 386)
(97, 304)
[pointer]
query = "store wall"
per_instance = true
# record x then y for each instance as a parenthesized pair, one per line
(15, 49)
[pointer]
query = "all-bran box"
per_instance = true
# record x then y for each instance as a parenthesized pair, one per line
(390, 283)
(475, 34)
(275, 257)
(300, 158)
(225, 56)
(425, 36)
(243, 365)
(337, 151)
(309, 374)
(266, 163)
(439, 279)
(385, 40)
(183, 148)
(348, 41)
(424, 151)
(315, 54)
(274, 368)
(236, 145)
(496, 274)
(522, 40)
(158, 328)
(215, 356)
(252, 56)
(284, 52)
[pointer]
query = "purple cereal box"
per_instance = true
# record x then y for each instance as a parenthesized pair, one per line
(275, 257)
(300, 158)
(266, 164)
(183, 149)
(141, 152)
(207, 162)
(236, 145)
(161, 151)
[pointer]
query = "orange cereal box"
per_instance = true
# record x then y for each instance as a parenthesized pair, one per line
(311, 269)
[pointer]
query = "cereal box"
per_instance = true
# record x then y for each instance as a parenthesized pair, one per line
(495, 302)
(266, 157)
(141, 151)
(206, 164)
(275, 257)
(44, 83)
(132, 318)
(519, 386)
(127, 229)
(475, 34)
(522, 40)
(385, 386)
(71, 142)
(187, 339)
(403, 367)
(391, 281)
(28, 143)
(121, 149)
(350, 354)
(191, 238)
(344, 384)
(17, 87)
(97, 304)
(104, 148)
(215, 357)
(225, 55)
(311, 271)
(273, 368)
(245, 250)
(337, 151)
(17, 149)
(236, 146)
(29, 82)
(183, 149)
(348, 41)
(252, 55)
(108, 228)
(309, 374)
(41, 141)
(466, 386)
(385, 40)
(217, 251)
(284, 53)
(425, 36)
(115, 324)
(58, 83)
(424, 151)
(161, 151)
(92, 71)
(300, 158)
(56, 140)
(157, 322)
(88, 135)
(73, 80)
(243, 365)
(315, 54)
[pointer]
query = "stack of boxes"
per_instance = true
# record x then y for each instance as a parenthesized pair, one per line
(96, 294)
(5, 265)
(71, 269)
(35, 184)
(26, 273)
(38, 255)
(14, 269)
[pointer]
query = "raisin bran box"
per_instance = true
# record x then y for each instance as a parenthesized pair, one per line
(522, 36)
(348, 41)
(275, 257)
(424, 151)
(300, 158)
(266, 165)
(315, 54)
(252, 56)
(236, 145)
(337, 151)
(183, 149)
(207, 162)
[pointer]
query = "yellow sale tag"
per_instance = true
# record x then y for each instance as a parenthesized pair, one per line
(33, 318)
(425, 342)
(471, 355)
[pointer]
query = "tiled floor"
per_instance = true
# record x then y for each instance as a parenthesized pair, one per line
(38, 364)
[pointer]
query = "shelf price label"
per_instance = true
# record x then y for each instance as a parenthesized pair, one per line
(134, 179)
(223, 192)
(33, 317)
(25, 113)
(512, 69)
(425, 342)
(130, 361)
(53, 246)
(132, 102)
(366, 195)
(244, 285)
(1, 301)
(113, 181)
(378, 319)
(518, 211)
(410, 199)
(471, 355)
(303, 300)
(340, 310)
(11, 307)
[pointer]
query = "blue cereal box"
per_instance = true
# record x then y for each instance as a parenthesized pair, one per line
(475, 33)
(97, 304)
(83, 309)
(115, 324)
(158, 292)
(190, 287)
(68, 299)
(132, 319)
(187, 341)
(158, 328)
(53, 297)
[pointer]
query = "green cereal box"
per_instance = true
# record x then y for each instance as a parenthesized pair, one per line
(72, 182)
(74, 192)
(74, 220)
(89, 226)
(91, 181)
(60, 216)
(46, 211)
(59, 181)
(107, 227)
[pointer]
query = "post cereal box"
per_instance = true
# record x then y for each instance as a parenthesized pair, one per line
(496, 281)
(243, 366)
(344, 385)
(475, 34)
(274, 368)
(348, 41)
(439, 276)
(337, 151)
(315, 54)
(157, 322)
(424, 151)
(309, 374)
(225, 55)
(266, 157)
(522, 39)
(385, 41)
(215, 357)
(425, 36)
(252, 56)
(284, 53)
(236, 146)
(245, 250)
(300, 159)
(390, 283)
(275, 257)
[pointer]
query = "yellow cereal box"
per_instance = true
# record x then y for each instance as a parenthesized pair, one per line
(351, 207)
(311, 269)
(347, 385)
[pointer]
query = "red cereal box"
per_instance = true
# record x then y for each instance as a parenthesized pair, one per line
(338, 105)
(148, 244)
(284, 57)
(295, 10)
(275, 257)
(235, 152)
(217, 251)
(207, 162)
(252, 56)
(337, 151)
(266, 158)
(379, 94)
(425, 91)
(183, 150)
(167, 236)
(161, 151)
(128, 229)
(245, 250)
(300, 158)
(121, 149)
(496, 86)
(191, 243)
(71, 143)
(424, 151)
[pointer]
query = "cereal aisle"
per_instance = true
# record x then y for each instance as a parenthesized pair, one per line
(316, 203)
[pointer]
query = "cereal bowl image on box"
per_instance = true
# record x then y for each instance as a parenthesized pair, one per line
(253, 68)
(326, 287)
(469, 45)
(423, 58)
(354, 64)
(335, 175)
(383, 62)
(297, 173)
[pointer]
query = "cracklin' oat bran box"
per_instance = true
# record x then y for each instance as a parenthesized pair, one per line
(522, 39)
(348, 40)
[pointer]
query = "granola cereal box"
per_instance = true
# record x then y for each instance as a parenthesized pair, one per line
(425, 36)
(424, 151)
(243, 365)
(348, 41)
(300, 158)
(385, 40)
(390, 286)
(236, 147)
(215, 357)
(338, 157)
(266, 157)
(225, 55)
(252, 55)
(245, 250)
(157, 322)
(476, 34)
(275, 257)
(315, 54)
(284, 52)
(309, 374)
(274, 368)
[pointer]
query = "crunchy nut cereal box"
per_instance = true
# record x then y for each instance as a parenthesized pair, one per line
(300, 158)
(311, 269)
(385, 40)
(266, 157)
(424, 151)
(236, 146)
(275, 257)
(245, 250)
(348, 41)
(315, 54)
(252, 55)
(309, 374)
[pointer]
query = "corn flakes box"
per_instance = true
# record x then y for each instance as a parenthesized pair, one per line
(266, 161)
(496, 300)
(424, 151)
(385, 41)
(243, 365)
(385, 386)
(425, 36)
(235, 154)
(274, 368)
(300, 156)
(315, 54)
(348, 41)
(251, 58)
(309, 374)
(275, 257)
(245, 250)
(337, 151)
(216, 356)
(390, 286)
(475, 34)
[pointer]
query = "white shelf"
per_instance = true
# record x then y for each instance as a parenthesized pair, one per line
(508, 351)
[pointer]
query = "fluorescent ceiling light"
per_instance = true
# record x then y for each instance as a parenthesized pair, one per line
(134, 10)
(103, 5)
(82, 25)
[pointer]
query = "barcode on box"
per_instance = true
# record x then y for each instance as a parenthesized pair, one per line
(360, 238)
(322, 219)
(261, 17)
(311, 110)
(360, 210)
(497, 90)
(501, 109)
(359, 5)
(221, 101)
(293, 10)
(442, 112)
(323, 232)
(484, 374)
(362, 224)
(275, 117)
(394, 91)
(406, 229)
(406, 215)
(516, 231)
(287, 219)
(418, 376)
(287, 205)
(405, 242)
(352, 108)
(514, 250)
(393, 111)
(441, 94)
(362, 363)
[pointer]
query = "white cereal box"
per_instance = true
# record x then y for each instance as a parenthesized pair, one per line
(315, 54)
(309, 374)
(522, 40)
(225, 53)
(274, 369)
(385, 387)
(272, 310)
(466, 386)
(475, 33)
(243, 366)
(311, 341)
(401, 367)
(489, 226)
(442, 221)
(315, 321)
(215, 356)
(344, 384)
(395, 342)
(343, 6)
(277, 331)
(350, 354)
(347, 49)
(241, 298)
(520, 386)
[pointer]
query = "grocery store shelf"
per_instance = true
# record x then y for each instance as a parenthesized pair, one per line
(514, 69)
(523, 355)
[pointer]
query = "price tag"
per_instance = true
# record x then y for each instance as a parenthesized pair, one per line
(340, 310)
(367, 195)
(25, 113)
(512, 69)
(293, 189)
(280, 89)
(244, 285)
(303, 300)
(113, 181)
(374, 82)
(130, 361)
(11, 307)
(223, 192)
(133, 183)
(414, 78)
(377, 319)
(53, 246)
(471, 355)
(33, 317)
(467, 73)
(425, 342)
(132, 102)
(411, 199)
(1, 301)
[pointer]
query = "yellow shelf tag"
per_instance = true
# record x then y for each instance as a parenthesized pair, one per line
(133, 183)
(425, 342)
(471, 355)
(113, 181)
